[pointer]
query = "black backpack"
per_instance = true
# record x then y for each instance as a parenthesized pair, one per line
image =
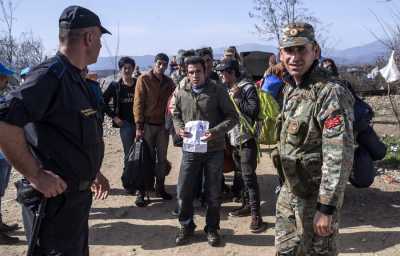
(139, 171)
(370, 148)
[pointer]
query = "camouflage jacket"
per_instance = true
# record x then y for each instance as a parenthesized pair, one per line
(316, 141)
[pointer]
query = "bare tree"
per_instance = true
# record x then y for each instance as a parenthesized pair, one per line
(17, 53)
(7, 9)
(30, 51)
(275, 14)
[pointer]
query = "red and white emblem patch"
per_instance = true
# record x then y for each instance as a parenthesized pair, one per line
(333, 122)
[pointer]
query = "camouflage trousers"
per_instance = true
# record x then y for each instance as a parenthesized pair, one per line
(294, 233)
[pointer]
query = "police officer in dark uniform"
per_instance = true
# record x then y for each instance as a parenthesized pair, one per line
(50, 132)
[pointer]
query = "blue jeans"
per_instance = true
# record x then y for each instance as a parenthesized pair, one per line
(192, 166)
(127, 133)
(5, 170)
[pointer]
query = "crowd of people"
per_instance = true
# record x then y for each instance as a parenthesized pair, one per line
(51, 132)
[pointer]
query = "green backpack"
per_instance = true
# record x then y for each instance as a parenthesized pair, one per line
(264, 127)
(265, 124)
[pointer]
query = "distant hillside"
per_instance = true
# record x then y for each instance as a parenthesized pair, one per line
(364, 54)
(109, 63)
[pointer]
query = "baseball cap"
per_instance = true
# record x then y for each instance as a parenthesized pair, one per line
(228, 64)
(5, 71)
(230, 51)
(296, 34)
(74, 17)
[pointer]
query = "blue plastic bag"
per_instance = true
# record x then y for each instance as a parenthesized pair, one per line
(272, 85)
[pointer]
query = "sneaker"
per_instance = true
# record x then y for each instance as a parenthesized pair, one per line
(184, 233)
(140, 202)
(257, 225)
(6, 239)
(8, 228)
(240, 212)
(164, 195)
(175, 212)
(213, 238)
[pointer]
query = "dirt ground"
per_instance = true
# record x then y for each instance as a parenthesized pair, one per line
(369, 226)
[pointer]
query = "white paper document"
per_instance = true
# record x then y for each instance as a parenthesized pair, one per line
(197, 130)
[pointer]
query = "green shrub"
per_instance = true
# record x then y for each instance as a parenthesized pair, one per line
(393, 151)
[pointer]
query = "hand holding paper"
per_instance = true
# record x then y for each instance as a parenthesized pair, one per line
(195, 136)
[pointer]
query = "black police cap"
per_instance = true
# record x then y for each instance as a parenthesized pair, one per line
(74, 17)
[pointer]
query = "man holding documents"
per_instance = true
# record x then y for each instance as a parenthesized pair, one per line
(202, 116)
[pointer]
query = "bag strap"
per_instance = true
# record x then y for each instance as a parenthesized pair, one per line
(249, 128)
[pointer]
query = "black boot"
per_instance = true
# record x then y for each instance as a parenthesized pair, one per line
(257, 225)
(243, 210)
(160, 190)
(140, 202)
(213, 238)
(163, 194)
(184, 233)
(8, 228)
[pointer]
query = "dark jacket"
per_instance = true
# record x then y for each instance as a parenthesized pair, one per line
(212, 104)
(112, 93)
(61, 122)
(248, 103)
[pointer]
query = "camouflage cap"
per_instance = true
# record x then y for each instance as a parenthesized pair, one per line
(295, 34)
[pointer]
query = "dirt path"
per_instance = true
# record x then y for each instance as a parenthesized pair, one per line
(370, 219)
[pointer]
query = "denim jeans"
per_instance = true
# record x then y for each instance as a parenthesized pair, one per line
(192, 166)
(5, 170)
(127, 133)
(245, 161)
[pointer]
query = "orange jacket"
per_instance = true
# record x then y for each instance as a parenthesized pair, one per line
(151, 98)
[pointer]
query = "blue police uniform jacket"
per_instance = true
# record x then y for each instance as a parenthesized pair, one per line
(61, 121)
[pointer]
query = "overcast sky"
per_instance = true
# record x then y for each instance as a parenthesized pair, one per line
(148, 27)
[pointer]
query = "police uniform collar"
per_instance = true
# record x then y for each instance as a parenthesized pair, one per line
(76, 71)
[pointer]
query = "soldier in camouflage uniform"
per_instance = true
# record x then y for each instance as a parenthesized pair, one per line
(315, 146)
